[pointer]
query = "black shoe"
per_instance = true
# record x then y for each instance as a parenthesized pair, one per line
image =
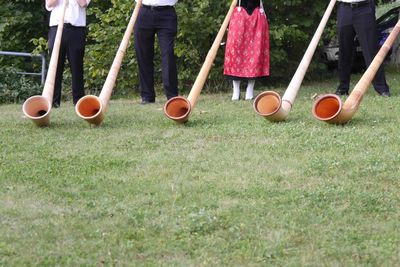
(385, 94)
(56, 105)
(341, 93)
(145, 102)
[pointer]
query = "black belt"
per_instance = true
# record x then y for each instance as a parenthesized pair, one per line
(356, 4)
(68, 25)
(158, 8)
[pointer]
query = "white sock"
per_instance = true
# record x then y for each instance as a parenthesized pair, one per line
(236, 90)
(250, 89)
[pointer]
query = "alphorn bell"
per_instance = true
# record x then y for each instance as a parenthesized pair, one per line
(179, 108)
(38, 107)
(329, 107)
(269, 104)
(92, 108)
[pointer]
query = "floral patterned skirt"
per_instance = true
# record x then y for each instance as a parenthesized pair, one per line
(247, 45)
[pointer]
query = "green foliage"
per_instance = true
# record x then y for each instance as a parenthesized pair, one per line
(23, 27)
(104, 36)
(15, 88)
(20, 21)
(199, 22)
(292, 25)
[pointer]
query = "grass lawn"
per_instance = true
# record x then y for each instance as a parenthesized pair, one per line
(228, 188)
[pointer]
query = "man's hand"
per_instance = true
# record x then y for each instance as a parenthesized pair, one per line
(51, 3)
(82, 3)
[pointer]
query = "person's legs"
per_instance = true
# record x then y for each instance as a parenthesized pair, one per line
(76, 37)
(144, 47)
(250, 90)
(166, 34)
(236, 90)
(60, 65)
(346, 36)
(365, 27)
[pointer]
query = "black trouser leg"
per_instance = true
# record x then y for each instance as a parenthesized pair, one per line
(346, 51)
(76, 50)
(365, 27)
(166, 37)
(346, 35)
(144, 47)
(60, 65)
(73, 47)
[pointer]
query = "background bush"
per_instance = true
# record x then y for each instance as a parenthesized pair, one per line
(15, 88)
(24, 26)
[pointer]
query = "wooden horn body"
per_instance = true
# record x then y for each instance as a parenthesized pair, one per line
(329, 107)
(179, 108)
(269, 104)
(92, 108)
(38, 107)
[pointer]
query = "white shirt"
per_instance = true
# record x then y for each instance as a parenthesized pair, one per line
(75, 14)
(159, 2)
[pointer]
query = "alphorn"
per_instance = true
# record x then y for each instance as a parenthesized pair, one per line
(329, 107)
(268, 103)
(92, 108)
(38, 107)
(179, 108)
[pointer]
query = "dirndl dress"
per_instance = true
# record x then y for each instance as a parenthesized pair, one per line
(247, 45)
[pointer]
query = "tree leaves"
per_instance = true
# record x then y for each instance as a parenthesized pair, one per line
(292, 24)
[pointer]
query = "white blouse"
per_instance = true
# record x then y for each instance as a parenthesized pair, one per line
(75, 14)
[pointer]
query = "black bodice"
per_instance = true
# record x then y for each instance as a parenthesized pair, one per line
(249, 5)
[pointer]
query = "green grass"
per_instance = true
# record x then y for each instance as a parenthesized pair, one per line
(228, 188)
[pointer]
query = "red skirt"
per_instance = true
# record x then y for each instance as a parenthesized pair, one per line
(247, 45)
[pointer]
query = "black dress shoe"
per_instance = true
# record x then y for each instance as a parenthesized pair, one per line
(145, 102)
(385, 94)
(341, 93)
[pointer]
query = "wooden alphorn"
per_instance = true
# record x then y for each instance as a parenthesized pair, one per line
(329, 107)
(92, 108)
(179, 108)
(269, 104)
(38, 107)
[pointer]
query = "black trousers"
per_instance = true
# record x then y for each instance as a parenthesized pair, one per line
(73, 48)
(358, 21)
(161, 21)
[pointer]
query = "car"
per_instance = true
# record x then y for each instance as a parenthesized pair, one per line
(385, 25)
